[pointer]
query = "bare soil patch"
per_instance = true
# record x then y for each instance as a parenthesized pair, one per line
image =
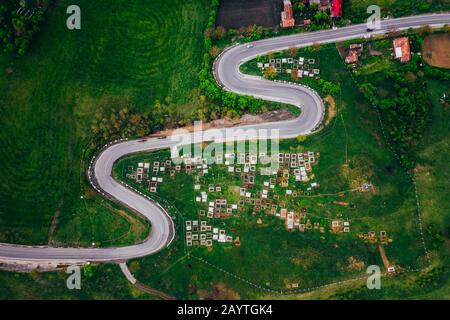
(436, 50)
(383, 256)
(331, 109)
(271, 116)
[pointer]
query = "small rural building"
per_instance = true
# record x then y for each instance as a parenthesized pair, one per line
(336, 9)
(402, 49)
(354, 53)
(287, 16)
(352, 57)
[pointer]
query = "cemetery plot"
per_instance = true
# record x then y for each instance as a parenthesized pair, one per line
(239, 188)
(360, 209)
(297, 67)
(238, 13)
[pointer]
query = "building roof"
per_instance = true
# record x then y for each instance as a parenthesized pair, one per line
(352, 57)
(287, 16)
(402, 49)
(355, 46)
(336, 8)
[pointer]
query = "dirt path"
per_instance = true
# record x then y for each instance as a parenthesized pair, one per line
(247, 119)
(55, 221)
(153, 292)
(331, 109)
(141, 286)
(384, 257)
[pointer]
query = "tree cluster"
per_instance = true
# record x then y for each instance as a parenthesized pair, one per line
(109, 124)
(405, 115)
(16, 30)
(355, 10)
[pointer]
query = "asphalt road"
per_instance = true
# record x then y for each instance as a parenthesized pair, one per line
(228, 75)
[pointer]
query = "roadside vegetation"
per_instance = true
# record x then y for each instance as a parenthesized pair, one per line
(102, 282)
(355, 10)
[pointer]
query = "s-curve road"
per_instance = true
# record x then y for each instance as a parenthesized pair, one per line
(228, 75)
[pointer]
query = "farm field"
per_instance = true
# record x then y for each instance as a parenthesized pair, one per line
(130, 55)
(351, 151)
(243, 13)
(436, 50)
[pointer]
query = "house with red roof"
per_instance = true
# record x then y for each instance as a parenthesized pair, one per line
(402, 49)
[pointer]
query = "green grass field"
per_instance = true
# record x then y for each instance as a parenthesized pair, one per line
(127, 54)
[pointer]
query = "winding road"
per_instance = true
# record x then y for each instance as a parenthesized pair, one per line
(229, 77)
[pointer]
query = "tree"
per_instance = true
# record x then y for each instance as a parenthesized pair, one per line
(209, 32)
(316, 46)
(232, 32)
(88, 271)
(214, 51)
(293, 51)
(446, 28)
(134, 266)
(207, 43)
(221, 32)
(301, 138)
(425, 30)
(329, 87)
(19, 24)
(321, 16)
(270, 73)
